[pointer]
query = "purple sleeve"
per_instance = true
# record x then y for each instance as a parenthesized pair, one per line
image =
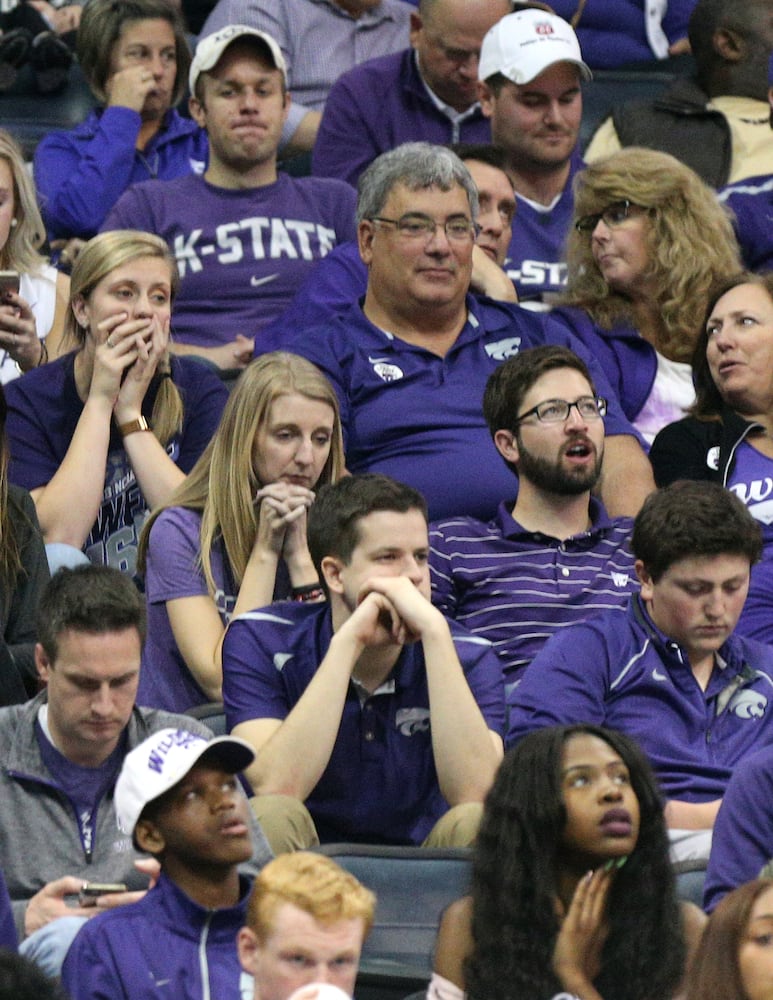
(742, 841)
(252, 686)
(34, 457)
(615, 422)
(172, 564)
(79, 179)
(483, 672)
(131, 211)
(677, 19)
(89, 971)
(204, 396)
(562, 684)
(345, 143)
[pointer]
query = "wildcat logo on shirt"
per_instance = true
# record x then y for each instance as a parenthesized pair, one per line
(410, 721)
(503, 349)
(757, 495)
(748, 705)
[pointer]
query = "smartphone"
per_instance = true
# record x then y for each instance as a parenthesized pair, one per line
(9, 282)
(91, 890)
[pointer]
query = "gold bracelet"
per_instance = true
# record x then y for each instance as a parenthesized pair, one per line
(140, 424)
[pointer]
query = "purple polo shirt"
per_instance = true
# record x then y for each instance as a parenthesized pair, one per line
(378, 105)
(516, 587)
(380, 784)
(618, 670)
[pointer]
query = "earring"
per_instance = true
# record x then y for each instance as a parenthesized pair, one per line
(13, 223)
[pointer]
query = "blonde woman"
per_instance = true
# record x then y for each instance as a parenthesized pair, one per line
(233, 536)
(649, 240)
(31, 317)
(111, 429)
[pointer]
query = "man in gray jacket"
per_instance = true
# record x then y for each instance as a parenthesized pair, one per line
(60, 755)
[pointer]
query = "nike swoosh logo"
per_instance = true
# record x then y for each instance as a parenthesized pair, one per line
(255, 282)
(658, 676)
(376, 361)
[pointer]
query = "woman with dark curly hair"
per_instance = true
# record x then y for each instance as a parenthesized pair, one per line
(735, 957)
(649, 240)
(572, 887)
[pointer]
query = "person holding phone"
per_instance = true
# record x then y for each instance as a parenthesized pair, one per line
(233, 536)
(33, 295)
(110, 429)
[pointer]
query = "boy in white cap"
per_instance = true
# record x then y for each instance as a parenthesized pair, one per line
(179, 797)
(530, 73)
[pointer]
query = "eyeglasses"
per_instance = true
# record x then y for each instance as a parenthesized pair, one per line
(415, 226)
(613, 215)
(554, 411)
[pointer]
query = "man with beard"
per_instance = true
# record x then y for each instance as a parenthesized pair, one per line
(554, 557)
(410, 360)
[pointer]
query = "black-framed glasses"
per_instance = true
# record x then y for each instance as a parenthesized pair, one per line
(613, 215)
(555, 411)
(415, 226)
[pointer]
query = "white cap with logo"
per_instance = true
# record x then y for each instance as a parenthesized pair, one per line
(210, 49)
(163, 759)
(525, 44)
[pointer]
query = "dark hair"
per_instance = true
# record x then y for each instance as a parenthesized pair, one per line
(708, 16)
(482, 152)
(715, 971)
(334, 515)
(691, 518)
(516, 872)
(95, 599)
(509, 383)
(21, 979)
(100, 29)
(708, 401)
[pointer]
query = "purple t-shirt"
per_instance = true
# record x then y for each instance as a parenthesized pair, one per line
(43, 411)
(173, 571)
(535, 258)
(242, 255)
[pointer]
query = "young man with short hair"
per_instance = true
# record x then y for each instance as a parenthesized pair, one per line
(179, 799)
(60, 755)
(245, 235)
(307, 920)
(669, 671)
(372, 709)
(531, 71)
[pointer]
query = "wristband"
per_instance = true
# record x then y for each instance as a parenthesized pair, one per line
(131, 426)
(309, 592)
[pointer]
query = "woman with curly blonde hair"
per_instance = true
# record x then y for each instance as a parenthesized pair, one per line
(649, 240)
(232, 537)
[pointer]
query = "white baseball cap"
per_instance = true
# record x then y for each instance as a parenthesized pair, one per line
(525, 44)
(210, 49)
(162, 760)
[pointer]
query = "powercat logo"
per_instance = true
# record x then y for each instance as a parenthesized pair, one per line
(544, 28)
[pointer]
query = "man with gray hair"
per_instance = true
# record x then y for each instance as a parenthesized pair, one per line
(411, 361)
